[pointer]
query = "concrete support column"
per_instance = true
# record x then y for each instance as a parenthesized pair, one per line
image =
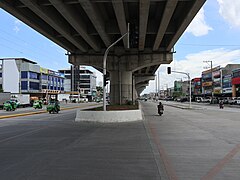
(121, 87)
(234, 94)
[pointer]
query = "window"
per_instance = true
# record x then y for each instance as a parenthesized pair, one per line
(84, 86)
(33, 86)
(33, 75)
(84, 76)
(44, 77)
(84, 81)
(24, 85)
(44, 87)
(24, 74)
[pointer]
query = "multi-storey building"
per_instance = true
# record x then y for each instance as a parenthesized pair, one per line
(20, 75)
(196, 87)
(218, 81)
(80, 80)
(236, 83)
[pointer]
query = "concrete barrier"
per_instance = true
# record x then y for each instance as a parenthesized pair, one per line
(109, 116)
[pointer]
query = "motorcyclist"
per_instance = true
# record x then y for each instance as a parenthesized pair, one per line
(160, 108)
(221, 104)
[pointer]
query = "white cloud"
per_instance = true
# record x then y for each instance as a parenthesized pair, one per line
(199, 27)
(17, 24)
(229, 10)
(193, 64)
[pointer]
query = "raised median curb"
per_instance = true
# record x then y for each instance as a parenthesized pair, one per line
(109, 116)
(36, 112)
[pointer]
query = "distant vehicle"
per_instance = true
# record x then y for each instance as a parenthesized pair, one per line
(206, 100)
(23, 99)
(4, 97)
(169, 98)
(232, 100)
(16, 102)
(10, 105)
(238, 101)
(199, 99)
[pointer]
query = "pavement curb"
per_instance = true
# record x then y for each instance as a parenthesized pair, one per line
(38, 112)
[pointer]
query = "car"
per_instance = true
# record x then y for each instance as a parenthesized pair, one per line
(232, 100)
(238, 101)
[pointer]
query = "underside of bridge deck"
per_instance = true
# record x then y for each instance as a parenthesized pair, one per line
(85, 28)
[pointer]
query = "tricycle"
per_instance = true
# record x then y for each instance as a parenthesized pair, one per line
(53, 107)
(37, 104)
(10, 106)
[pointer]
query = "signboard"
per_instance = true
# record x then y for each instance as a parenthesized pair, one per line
(227, 90)
(207, 84)
(50, 91)
(43, 70)
(216, 74)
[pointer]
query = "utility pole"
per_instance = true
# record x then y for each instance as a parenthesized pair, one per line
(211, 78)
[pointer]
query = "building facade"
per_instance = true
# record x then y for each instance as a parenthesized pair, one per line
(20, 75)
(80, 80)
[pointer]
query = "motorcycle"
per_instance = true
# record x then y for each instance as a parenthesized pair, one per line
(53, 107)
(160, 109)
(37, 104)
(10, 106)
(221, 106)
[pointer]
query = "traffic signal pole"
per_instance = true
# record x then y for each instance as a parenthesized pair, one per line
(190, 85)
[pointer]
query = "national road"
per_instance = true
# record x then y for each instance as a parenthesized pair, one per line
(198, 143)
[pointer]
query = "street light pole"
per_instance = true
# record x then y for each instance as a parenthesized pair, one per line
(190, 87)
(105, 62)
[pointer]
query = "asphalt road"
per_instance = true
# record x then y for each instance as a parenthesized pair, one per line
(201, 143)
(53, 146)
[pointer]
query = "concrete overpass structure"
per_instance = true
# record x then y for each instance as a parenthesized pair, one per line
(85, 28)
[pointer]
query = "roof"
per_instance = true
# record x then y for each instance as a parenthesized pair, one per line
(23, 59)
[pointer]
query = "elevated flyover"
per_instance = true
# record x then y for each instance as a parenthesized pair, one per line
(85, 28)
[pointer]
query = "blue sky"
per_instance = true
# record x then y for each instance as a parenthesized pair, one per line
(214, 34)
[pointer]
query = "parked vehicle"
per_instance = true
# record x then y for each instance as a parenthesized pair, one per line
(199, 99)
(22, 99)
(207, 100)
(232, 100)
(238, 101)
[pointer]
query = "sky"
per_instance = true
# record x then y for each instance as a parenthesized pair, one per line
(213, 35)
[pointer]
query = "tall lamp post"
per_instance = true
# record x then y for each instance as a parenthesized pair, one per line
(105, 62)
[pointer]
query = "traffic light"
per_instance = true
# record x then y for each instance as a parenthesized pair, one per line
(134, 35)
(105, 81)
(169, 70)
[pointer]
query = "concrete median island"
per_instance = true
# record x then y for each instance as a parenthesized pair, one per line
(123, 115)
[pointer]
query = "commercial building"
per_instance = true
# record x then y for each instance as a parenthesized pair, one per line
(236, 83)
(197, 87)
(20, 75)
(80, 80)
